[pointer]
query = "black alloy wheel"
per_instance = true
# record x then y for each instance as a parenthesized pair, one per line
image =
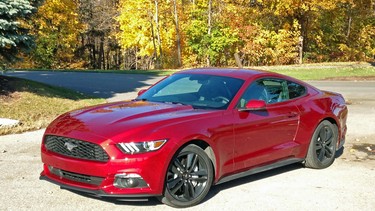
(322, 149)
(189, 178)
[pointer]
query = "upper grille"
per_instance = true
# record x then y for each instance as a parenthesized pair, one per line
(75, 148)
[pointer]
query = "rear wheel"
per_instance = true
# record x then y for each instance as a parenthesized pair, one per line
(322, 149)
(189, 178)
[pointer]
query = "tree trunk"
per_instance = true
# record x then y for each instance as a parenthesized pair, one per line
(155, 56)
(94, 64)
(238, 60)
(108, 59)
(101, 64)
(304, 23)
(158, 33)
(136, 57)
(209, 26)
(178, 36)
(349, 26)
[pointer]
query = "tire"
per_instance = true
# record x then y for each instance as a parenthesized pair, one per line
(188, 179)
(322, 148)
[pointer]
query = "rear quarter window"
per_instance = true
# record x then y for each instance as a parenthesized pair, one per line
(296, 90)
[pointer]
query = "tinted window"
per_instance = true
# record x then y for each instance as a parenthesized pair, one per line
(270, 90)
(276, 90)
(295, 90)
(180, 86)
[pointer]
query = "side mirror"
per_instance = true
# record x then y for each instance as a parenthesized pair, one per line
(140, 92)
(254, 105)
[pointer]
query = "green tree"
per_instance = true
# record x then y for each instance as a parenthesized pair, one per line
(14, 33)
(210, 39)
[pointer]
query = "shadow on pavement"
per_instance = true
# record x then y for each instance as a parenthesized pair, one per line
(104, 85)
(259, 176)
(152, 201)
(340, 152)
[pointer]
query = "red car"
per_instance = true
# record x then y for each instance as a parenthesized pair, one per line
(193, 129)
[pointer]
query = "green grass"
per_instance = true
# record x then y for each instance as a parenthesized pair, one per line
(316, 71)
(326, 71)
(36, 104)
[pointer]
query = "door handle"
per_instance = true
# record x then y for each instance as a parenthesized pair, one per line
(292, 114)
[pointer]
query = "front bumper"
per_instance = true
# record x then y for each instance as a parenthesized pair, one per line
(99, 178)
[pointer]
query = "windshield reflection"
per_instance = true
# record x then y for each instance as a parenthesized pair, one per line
(198, 90)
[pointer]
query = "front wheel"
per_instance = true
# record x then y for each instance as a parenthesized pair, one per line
(189, 178)
(322, 149)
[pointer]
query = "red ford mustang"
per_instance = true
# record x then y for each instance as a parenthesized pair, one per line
(193, 129)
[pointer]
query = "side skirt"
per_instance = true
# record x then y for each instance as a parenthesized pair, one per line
(260, 169)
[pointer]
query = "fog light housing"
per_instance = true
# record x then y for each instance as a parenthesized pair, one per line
(129, 181)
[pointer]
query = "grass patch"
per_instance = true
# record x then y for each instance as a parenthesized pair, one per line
(326, 71)
(36, 104)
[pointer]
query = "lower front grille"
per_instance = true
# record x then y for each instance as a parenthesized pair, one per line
(76, 177)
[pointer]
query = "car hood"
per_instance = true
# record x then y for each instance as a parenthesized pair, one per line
(124, 118)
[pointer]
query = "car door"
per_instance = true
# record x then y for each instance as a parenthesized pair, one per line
(265, 135)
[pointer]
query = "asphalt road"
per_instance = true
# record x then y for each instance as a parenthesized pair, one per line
(110, 86)
(351, 90)
(346, 185)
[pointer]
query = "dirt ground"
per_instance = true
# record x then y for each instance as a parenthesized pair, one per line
(346, 185)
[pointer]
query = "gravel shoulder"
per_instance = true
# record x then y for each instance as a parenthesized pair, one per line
(346, 185)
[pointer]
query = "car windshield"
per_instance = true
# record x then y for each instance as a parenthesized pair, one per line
(198, 90)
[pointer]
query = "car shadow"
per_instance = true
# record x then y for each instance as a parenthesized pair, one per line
(149, 201)
(340, 152)
(259, 176)
(152, 201)
(251, 178)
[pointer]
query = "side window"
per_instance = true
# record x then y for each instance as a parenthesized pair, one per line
(256, 91)
(270, 90)
(277, 90)
(295, 90)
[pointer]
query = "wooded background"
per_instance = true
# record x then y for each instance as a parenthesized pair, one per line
(155, 34)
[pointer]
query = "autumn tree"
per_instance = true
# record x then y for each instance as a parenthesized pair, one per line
(147, 34)
(99, 45)
(57, 29)
(14, 32)
(355, 21)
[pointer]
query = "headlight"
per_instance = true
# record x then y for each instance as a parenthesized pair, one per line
(140, 147)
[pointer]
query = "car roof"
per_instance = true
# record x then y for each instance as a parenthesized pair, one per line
(244, 74)
(230, 72)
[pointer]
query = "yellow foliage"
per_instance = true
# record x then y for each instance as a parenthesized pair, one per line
(57, 30)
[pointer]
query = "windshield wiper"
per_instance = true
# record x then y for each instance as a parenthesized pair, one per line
(173, 102)
(140, 99)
